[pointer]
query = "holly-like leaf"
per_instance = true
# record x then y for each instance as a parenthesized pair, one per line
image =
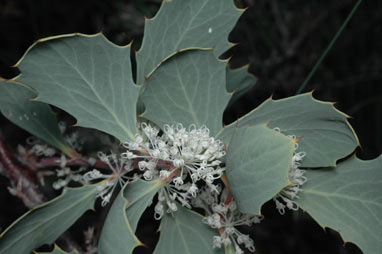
(57, 250)
(189, 89)
(182, 24)
(118, 232)
(184, 232)
(258, 160)
(87, 76)
(239, 81)
(324, 132)
(45, 223)
(348, 199)
(35, 117)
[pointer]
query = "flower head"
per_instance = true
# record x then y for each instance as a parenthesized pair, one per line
(119, 167)
(180, 156)
(225, 216)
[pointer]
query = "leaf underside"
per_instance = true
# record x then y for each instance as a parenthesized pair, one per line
(189, 88)
(183, 24)
(325, 135)
(184, 232)
(44, 224)
(87, 76)
(258, 160)
(35, 117)
(348, 199)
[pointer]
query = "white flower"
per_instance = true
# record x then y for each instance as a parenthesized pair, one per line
(66, 175)
(226, 217)
(179, 156)
(285, 198)
(119, 167)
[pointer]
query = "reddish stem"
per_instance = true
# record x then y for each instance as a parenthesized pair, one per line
(26, 189)
(56, 162)
(229, 196)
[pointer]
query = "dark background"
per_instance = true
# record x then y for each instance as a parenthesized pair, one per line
(280, 39)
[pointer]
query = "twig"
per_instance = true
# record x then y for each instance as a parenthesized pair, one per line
(26, 187)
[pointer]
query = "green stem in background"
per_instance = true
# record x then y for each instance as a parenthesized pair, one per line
(328, 48)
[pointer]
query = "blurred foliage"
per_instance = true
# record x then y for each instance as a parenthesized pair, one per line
(281, 40)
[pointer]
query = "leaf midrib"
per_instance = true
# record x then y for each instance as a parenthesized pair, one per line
(336, 195)
(119, 123)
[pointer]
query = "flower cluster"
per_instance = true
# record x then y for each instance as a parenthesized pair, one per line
(285, 198)
(179, 156)
(120, 167)
(39, 148)
(225, 216)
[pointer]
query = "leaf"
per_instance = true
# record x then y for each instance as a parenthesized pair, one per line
(45, 223)
(348, 199)
(87, 76)
(57, 250)
(239, 81)
(118, 232)
(258, 160)
(185, 232)
(189, 89)
(182, 24)
(34, 117)
(325, 134)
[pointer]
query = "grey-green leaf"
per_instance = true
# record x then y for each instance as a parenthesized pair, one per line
(57, 250)
(35, 117)
(118, 232)
(184, 24)
(185, 232)
(348, 199)
(45, 223)
(189, 88)
(258, 160)
(87, 76)
(325, 133)
(239, 81)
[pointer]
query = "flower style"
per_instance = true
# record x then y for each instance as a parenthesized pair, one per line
(179, 156)
(285, 198)
(225, 216)
(120, 168)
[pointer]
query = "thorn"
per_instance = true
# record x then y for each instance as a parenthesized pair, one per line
(234, 43)
(131, 43)
(243, 9)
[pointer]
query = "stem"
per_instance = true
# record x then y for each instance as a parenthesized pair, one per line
(26, 187)
(329, 47)
(229, 195)
(55, 162)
